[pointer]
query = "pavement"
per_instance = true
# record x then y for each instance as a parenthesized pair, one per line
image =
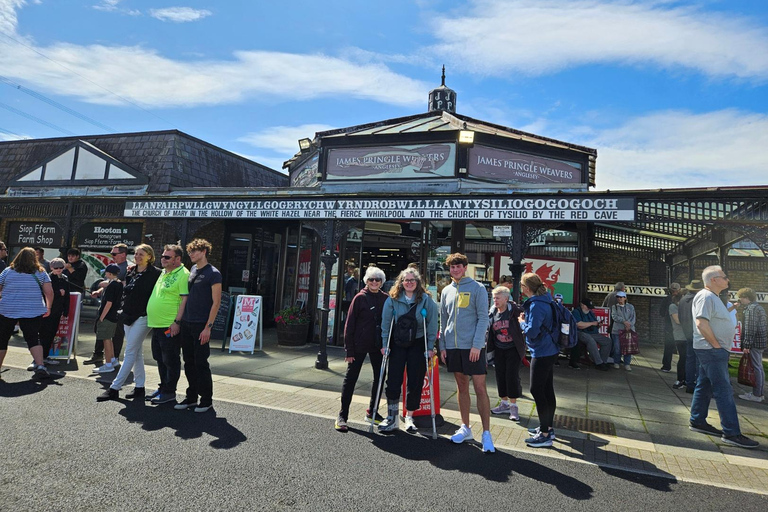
(618, 419)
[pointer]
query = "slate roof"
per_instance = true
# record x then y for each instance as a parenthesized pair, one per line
(169, 159)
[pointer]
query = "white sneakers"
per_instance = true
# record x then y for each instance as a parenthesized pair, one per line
(751, 398)
(107, 368)
(410, 426)
(462, 434)
(627, 367)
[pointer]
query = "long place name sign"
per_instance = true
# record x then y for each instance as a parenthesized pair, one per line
(529, 208)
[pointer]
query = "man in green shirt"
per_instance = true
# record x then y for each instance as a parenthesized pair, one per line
(164, 311)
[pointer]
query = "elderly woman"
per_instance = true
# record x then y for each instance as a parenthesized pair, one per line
(506, 339)
(27, 297)
(408, 297)
(623, 317)
(362, 337)
(139, 282)
(59, 307)
(538, 324)
(753, 340)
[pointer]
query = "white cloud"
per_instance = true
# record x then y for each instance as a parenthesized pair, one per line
(535, 37)
(179, 14)
(674, 149)
(283, 139)
(8, 19)
(107, 5)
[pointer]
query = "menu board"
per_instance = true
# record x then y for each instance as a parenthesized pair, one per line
(246, 324)
(219, 329)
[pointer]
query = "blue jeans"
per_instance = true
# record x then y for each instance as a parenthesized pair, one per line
(616, 352)
(714, 381)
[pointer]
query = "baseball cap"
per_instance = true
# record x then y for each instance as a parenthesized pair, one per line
(674, 286)
(621, 294)
(558, 295)
(112, 269)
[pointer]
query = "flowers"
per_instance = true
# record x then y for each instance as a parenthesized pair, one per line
(291, 316)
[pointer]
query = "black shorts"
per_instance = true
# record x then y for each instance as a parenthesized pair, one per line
(457, 361)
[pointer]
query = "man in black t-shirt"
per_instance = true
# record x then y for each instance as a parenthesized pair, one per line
(75, 270)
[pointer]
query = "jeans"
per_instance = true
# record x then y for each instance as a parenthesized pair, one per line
(134, 354)
(682, 359)
(756, 357)
(166, 351)
(616, 352)
(543, 389)
(412, 359)
(714, 381)
(599, 356)
(691, 366)
(196, 366)
(669, 350)
(350, 379)
(508, 365)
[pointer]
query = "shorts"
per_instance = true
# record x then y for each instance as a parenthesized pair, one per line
(457, 361)
(105, 330)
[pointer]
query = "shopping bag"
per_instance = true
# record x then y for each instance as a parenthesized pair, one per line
(746, 371)
(628, 342)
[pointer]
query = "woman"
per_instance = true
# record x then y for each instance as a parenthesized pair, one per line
(754, 340)
(505, 338)
(362, 336)
(680, 342)
(139, 283)
(537, 322)
(27, 297)
(623, 317)
(406, 298)
(59, 308)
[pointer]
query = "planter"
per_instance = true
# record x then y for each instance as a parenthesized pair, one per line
(292, 335)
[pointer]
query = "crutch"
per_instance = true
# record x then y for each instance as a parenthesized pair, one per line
(429, 374)
(384, 362)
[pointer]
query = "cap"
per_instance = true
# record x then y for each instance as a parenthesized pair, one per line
(558, 295)
(587, 303)
(112, 269)
(674, 286)
(621, 294)
(695, 285)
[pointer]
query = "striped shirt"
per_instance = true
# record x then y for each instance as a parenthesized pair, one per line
(22, 296)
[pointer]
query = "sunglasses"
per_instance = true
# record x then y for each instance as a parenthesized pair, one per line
(56, 268)
(115, 253)
(377, 279)
(166, 257)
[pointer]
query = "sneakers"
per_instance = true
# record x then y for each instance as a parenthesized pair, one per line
(502, 408)
(678, 384)
(514, 415)
(164, 398)
(488, 443)
(574, 366)
(376, 421)
(31, 367)
(187, 403)
(156, 393)
(137, 393)
(203, 408)
(616, 366)
(627, 367)
(107, 368)
(752, 398)
(410, 426)
(340, 425)
(41, 372)
(462, 434)
(537, 430)
(109, 394)
(705, 428)
(740, 441)
(666, 370)
(390, 422)
(539, 440)
(97, 360)
(115, 362)
(51, 362)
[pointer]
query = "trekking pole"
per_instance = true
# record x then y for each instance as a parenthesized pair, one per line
(384, 362)
(429, 374)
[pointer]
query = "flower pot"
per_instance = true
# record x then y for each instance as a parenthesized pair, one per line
(292, 335)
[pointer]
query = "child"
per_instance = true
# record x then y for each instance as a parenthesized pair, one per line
(107, 318)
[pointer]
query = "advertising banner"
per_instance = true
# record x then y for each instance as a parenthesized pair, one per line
(107, 234)
(246, 324)
(424, 404)
(32, 234)
(391, 162)
(511, 167)
(557, 275)
(603, 315)
(305, 174)
(63, 346)
(304, 275)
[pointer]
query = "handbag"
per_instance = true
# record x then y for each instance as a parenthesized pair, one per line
(628, 342)
(746, 371)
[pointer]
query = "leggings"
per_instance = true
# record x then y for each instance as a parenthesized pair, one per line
(29, 326)
(413, 359)
(543, 389)
(508, 364)
(350, 379)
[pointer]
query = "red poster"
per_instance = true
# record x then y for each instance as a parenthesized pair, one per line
(424, 405)
(603, 315)
(305, 264)
(248, 304)
(64, 343)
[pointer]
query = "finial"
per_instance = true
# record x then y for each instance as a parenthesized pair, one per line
(443, 75)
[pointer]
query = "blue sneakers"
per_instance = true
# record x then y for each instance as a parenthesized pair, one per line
(539, 440)
(535, 431)
(488, 443)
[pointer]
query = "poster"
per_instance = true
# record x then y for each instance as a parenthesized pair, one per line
(604, 316)
(425, 402)
(557, 275)
(63, 346)
(246, 324)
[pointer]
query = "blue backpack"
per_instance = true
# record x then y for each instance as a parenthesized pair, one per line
(568, 332)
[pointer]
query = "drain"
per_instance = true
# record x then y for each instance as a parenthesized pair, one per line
(585, 425)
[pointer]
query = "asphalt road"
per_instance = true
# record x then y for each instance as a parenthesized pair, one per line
(64, 451)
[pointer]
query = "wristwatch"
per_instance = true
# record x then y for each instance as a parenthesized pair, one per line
(209, 326)
(178, 322)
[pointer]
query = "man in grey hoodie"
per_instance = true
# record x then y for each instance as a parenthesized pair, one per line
(463, 325)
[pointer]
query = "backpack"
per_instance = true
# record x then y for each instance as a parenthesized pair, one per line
(404, 330)
(568, 331)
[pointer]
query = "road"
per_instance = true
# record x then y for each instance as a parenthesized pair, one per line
(65, 451)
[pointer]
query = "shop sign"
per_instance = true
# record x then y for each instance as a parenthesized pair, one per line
(500, 231)
(521, 208)
(43, 234)
(305, 174)
(511, 167)
(246, 324)
(97, 235)
(660, 291)
(391, 162)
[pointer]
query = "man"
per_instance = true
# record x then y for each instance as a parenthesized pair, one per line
(669, 339)
(41, 259)
(589, 335)
(713, 333)
(75, 270)
(463, 324)
(199, 313)
(685, 315)
(3, 255)
(119, 255)
(610, 299)
(164, 312)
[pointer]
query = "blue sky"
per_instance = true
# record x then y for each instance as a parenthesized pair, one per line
(670, 93)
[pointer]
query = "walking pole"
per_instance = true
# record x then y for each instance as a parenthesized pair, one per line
(381, 378)
(429, 374)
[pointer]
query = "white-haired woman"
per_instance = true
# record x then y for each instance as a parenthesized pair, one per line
(505, 338)
(362, 336)
(408, 297)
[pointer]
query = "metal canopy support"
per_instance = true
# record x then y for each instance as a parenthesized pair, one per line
(517, 246)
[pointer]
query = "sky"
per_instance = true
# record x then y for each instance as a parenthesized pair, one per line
(671, 93)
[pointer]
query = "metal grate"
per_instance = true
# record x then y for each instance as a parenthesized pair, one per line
(584, 425)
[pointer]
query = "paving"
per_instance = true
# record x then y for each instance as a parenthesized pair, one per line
(617, 419)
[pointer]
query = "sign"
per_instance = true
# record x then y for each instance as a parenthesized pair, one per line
(105, 235)
(63, 346)
(424, 404)
(660, 291)
(32, 234)
(557, 275)
(246, 323)
(604, 316)
(575, 208)
(736, 343)
(502, 231)
(219, 329)
(511, 167)
(246, 276)
(304, 276)
(305, 173)
(391, 162)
